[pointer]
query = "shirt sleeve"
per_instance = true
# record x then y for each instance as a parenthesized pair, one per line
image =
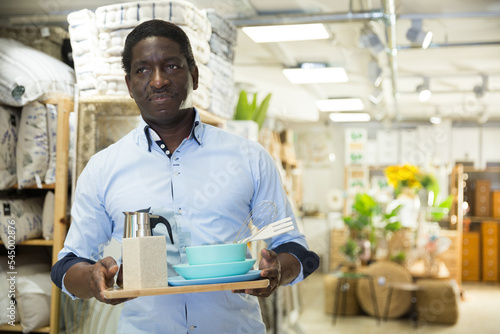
(61, 267)
(308, 259)
(268, 186)
(90, 228)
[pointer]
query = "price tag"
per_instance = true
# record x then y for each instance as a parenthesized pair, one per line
(6, 209)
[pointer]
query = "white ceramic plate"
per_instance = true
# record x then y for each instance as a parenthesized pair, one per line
(214, 270)
(180, 281)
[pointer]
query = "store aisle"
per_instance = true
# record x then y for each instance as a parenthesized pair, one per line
(478, 313)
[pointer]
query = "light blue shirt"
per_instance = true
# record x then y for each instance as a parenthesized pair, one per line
(206, 190)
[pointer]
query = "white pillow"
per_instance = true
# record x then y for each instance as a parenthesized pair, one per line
(27, 75)
(50, 174)
(33, 300)
(9, 310)
(27, 217)
(48, 216)
(26, 264)
(32, 146)
(9, 126)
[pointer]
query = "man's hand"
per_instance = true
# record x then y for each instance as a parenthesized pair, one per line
(85, 280)
(279, 269)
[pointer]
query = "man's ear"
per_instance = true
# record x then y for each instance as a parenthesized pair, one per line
(194, 75)
(127, 81)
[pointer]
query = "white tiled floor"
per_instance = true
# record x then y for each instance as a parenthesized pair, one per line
(479, 313)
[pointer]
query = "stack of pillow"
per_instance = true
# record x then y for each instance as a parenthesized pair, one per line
(107, 30)
(103, 34)
(29, 77)
(222, 44)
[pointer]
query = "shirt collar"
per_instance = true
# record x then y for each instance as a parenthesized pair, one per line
(196, 131)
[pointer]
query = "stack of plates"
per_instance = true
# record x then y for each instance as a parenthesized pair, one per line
(226, 272)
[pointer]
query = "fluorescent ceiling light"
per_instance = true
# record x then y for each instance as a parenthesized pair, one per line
(350, 117)
(349, 104)
(286, 33)
(315, 75)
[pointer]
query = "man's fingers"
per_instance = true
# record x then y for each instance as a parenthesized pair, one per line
(110, 267)
(267, 254)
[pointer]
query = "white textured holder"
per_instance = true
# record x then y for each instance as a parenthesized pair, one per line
(144, 262)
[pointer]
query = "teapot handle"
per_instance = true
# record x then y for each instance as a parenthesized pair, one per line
(155, 220)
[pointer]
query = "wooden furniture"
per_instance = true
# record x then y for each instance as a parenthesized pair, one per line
(483, 223)
(471, 257)
(452, 257)
(489, 246)
(65, 106)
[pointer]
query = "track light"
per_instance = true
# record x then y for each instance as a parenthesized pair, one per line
(369, 39)
(376, 96)
(424, 93)
(416, 35)
(480, 90)
(374, 73)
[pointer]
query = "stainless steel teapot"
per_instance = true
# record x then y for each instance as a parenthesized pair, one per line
(141, 223)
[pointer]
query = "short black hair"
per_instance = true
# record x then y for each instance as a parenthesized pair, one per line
(156, 28)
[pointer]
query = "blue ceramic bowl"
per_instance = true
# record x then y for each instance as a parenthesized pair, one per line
(220, 253)
(214, 270)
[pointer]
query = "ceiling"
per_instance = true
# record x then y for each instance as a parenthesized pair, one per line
(464, 53)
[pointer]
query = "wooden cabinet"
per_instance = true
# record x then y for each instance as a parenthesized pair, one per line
(64, 108)
(471, 256)
(489, 246)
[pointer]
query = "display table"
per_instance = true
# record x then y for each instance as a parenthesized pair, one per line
(411, 287)
(343, 286)
(418, 271)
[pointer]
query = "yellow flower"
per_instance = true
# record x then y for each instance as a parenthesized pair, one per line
(400, 176)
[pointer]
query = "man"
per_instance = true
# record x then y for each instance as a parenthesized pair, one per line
(202, 179)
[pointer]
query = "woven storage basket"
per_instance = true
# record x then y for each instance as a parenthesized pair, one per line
(437, 303)
(384, 272)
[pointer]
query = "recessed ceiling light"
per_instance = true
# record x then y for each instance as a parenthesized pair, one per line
(350, 117)
(315, 75)
(286, 33)
(345, 104)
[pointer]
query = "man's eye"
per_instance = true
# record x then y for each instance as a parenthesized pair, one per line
(141, 70)
(172, 67)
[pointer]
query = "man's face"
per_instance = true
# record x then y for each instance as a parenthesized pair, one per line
(160, 80)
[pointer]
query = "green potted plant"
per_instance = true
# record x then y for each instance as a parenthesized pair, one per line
(253, 111)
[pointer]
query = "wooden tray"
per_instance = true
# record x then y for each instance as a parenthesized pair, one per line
(117, 292)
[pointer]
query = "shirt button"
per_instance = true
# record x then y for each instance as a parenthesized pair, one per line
(168, 152)
(192, 327)
(162, 146)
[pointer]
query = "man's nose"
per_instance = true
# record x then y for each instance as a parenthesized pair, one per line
(159, 78)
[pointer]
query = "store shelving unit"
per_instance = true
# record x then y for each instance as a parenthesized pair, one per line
(65, 106)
